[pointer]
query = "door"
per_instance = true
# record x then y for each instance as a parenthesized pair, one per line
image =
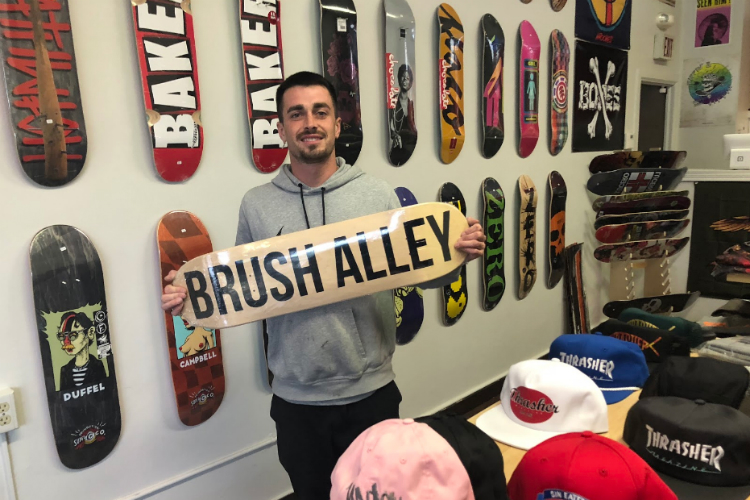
(653, 117)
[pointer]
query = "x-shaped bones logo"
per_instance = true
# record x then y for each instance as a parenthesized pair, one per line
(594, 67)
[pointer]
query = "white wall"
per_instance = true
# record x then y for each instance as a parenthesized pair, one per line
(118, 199)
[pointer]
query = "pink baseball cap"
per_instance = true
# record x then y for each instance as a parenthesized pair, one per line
(402, 459)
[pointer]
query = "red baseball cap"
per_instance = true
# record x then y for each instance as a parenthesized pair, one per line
(585, 466)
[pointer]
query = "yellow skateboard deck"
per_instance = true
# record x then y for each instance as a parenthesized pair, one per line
(451, 91)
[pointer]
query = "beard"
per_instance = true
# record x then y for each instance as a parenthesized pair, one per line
(318, 155)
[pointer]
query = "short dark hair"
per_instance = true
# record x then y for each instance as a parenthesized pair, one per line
(303, 79)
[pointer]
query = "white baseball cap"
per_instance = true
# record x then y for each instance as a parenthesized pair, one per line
(542, 399)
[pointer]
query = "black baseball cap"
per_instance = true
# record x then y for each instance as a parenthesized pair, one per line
(698, 442)
(657, 345)
(477, 451)
(711, 380)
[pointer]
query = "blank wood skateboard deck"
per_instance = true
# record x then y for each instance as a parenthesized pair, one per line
(451, 83)
(557, 5)
(494, 250)
(528, 89)
(455, 295)
(194, 352)
(635, 180)
(617, 198)
(558, 195)
(263, 66)
(323, 265)
(493, 58)
(621, 233)
(407, 300)
(558, 110)
(666, 215)
(639, 250)
(527, 236)
(74, 338)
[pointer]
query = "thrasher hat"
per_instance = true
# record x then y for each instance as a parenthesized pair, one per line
(711, 380)
(619, 368)
(541, 399)
(681, 327)
(585, 466)
(657, 345)
(698, 442)
(400, 459)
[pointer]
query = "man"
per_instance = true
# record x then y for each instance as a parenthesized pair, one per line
(332, 364)
(76, 335)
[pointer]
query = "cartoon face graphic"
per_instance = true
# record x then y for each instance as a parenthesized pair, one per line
(76, 333)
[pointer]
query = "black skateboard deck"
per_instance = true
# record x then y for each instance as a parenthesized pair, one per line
(559, 62)
(400, 70)
(407, 300)
(637, 159)
(735, 307)
(621, 233)
(493, 122)
(618, 198)
(338, 44)
(657, 305)
(669, 203)
(450, 83)
(527, 235)
(455, 295)
(41, 81)
(611, 220)
(74, 340)
(558, 193)
(493, 274)
(578, 312)
(639, 250)
(636, 180)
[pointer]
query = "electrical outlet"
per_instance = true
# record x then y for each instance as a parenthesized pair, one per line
(8, 418)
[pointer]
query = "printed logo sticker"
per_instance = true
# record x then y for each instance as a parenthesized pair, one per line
(709, 83)
(89, 435)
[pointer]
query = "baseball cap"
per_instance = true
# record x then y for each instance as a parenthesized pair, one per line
(656, 344)
(541, 399)
(695, 441)
(681, 327)
(402, 459)
(619, 368)
(711, 380)
(585, 466)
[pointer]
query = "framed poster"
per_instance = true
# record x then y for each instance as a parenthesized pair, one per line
(712, 22)
(606, 22)
(600, 89)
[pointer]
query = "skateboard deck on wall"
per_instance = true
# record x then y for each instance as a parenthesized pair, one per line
(493, 274)
(74, 338)
(338, 44)
(41, 81)
(639, 250)
(527, 236)
(169, 74)
(578, 312)
(656, 305)
(455, 295)
(451, 83)
(528, 89)
(621, 233)
(323, 265)
(194, 352)
(407, 300)
(617, 198)
(493, 57)
(263, 65)
(558, 195)
(636, 180)
(558, 110)
(667, 215)
(669, 203)
(400, 71)
(557, 5)
(637, 159)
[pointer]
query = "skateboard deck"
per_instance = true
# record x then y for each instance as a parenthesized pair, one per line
(528, 89)
(527, 236)
(558, 110)
(194, 353)
(635, 180)
(637, 159)
(451, 83)
(494, 250)
(617, 198)
(736, 255)
(338, 43)
(41, 81)
(74, 339)
(407, 300)
(263, 65)
(400, 70)
(621, 233)
(558, 195)
(169, 74)
(323, 265)
(657, 305)
(557, 5)
(639, 250)
(455, 295)
(734, 307)
(493, 57)
(613, 220)
(578, 315)
(668, 203)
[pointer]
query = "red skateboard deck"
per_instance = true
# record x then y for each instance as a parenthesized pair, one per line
(194, 352)
(528, 89)
(169, 74)
(260, 30)
(621, 233)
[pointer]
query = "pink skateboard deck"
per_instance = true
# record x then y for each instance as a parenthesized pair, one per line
(528, 88)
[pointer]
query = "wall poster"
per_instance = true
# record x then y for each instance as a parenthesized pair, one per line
(606, 22)
(712, 22)
(709, 97)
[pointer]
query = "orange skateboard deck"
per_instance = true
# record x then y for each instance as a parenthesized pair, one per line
(451, 78)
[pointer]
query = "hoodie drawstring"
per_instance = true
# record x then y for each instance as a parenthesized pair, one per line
(304, 208)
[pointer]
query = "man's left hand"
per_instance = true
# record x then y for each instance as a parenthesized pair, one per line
(472, 240)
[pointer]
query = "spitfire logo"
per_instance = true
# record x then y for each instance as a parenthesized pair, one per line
(531, 406)
(201, 397)
(598, 97)
(560, 92)
(657, 443)
(393, 90)
(89, 435)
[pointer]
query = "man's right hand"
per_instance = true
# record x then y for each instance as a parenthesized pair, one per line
(173, 296)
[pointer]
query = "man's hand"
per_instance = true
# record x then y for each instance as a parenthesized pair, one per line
(472, 240)
(174, 296)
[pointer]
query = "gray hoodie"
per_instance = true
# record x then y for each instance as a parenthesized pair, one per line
(339, 351)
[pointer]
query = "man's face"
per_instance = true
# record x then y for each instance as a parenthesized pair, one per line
(405, 81)
(76, 340)
(309, 126)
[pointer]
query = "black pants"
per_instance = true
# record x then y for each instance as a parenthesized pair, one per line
(312, 438)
